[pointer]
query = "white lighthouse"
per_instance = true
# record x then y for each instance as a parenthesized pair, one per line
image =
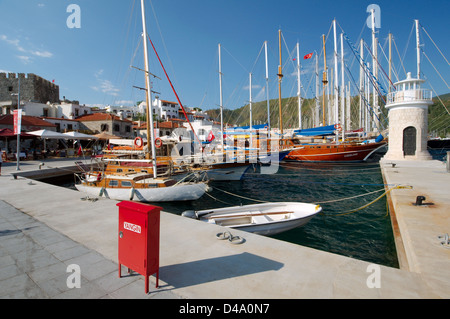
(408, 116)
(408, 120)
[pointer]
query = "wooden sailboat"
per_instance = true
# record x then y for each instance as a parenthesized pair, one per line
(143, 186)
(336, 151)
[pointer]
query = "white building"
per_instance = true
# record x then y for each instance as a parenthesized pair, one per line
(125, 112)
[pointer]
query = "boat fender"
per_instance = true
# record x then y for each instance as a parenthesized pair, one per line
(379, 138)
(132, 191)
(189, 213)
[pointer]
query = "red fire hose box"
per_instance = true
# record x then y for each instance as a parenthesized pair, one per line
(139, 239)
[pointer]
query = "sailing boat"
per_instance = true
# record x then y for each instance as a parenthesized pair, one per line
(143, 186)
(345, 151)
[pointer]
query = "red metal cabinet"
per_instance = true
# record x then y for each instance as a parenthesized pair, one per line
(139, 239)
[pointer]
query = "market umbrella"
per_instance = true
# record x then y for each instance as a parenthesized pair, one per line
(105, 136)
(44, 134)
(49, 134)
(7, 134)
(80, 136)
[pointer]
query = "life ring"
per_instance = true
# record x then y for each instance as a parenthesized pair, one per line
(138, 142)
(338, 127)
(158, 142)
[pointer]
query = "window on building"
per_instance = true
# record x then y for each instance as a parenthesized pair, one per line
(104, 127)
(116, 128)
(69, 127)
(127, 129)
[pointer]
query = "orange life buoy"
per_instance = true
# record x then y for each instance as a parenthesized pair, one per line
(158, 142)
(338, 127)
(138, 142)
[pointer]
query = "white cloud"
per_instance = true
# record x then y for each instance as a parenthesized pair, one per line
(42, 54)
(26, 59)
(105, 86)
(124, 102)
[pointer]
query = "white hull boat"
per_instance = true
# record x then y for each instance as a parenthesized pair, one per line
(263, 219)
(180, 192)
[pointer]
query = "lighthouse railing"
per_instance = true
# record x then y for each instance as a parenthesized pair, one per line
(409, 96)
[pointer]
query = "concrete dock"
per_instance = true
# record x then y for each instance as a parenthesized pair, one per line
(45, 228)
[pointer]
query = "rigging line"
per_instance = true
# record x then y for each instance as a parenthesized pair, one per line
(366, 102)
(162, 40)
(384, 53)
(387, 76)
(407, 43)
(257, 58)
(398, 53)
(438, 98)
(235, 59)
(243, 197)
(170, 82)
(435, 44)
(434, 68)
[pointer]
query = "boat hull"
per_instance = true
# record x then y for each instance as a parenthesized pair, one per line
(227, 172)
(263, 219)
(274, 228)
(334, 153)
(184, 192)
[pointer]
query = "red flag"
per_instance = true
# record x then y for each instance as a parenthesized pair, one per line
(80, 151)
(308, 56)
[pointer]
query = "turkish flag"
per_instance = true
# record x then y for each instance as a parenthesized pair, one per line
(308, 56)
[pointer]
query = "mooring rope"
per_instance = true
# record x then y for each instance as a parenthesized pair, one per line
(372, 202)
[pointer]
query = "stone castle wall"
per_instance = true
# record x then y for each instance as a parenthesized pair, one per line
(32, 88)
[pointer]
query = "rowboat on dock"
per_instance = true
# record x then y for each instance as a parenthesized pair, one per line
(263, 219)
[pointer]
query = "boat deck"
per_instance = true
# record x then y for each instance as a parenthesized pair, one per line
(44, 228)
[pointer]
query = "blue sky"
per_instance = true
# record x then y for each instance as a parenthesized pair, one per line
(92, 63)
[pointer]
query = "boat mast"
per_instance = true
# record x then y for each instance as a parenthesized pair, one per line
(361, 86)
(280, 77)
(316, 115)
(299, 88)
(324, 80)
(250, 105)
(267, 91)
(375, 73)
(344, 120)
(150, 130)
(336, 93)
(418, 48)
(221, 99)
(390, 62)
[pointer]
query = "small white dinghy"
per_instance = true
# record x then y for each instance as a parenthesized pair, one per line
(263, 219)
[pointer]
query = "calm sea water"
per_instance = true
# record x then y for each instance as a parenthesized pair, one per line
(365, 234)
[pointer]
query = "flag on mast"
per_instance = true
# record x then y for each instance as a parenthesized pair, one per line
(308, 56)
